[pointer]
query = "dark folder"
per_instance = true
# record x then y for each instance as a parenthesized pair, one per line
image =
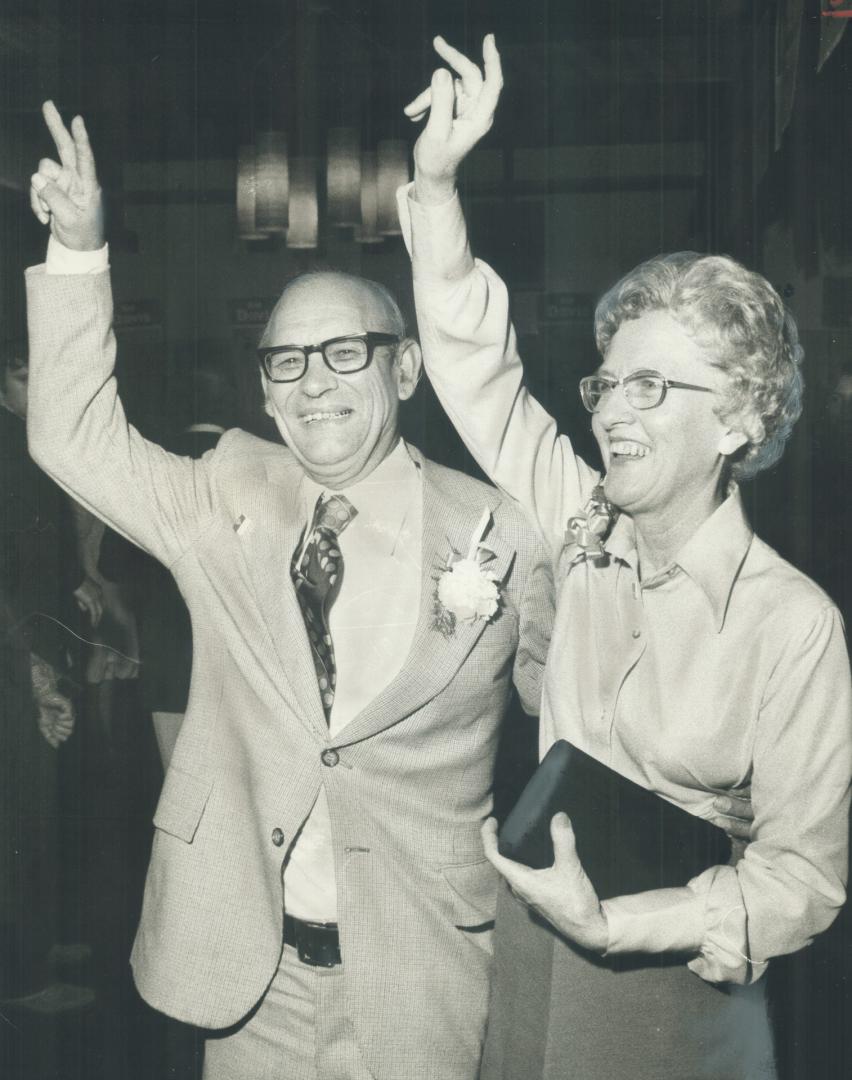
(628, 838)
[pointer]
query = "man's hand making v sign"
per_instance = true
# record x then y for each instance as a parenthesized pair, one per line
(68, 195)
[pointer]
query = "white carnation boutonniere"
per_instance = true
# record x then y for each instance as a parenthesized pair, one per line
(466, 590)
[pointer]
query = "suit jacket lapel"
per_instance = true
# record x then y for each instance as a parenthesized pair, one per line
(448, 522)
(275, 526)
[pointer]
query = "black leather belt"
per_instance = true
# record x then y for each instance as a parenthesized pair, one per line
(317, 944)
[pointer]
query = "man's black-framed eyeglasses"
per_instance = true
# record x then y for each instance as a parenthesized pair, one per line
(343, 355)
(643, 389)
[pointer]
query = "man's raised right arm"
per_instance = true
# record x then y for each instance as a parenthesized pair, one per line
(77, 429)
(469, 344)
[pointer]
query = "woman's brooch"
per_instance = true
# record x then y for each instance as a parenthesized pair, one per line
(586, 530)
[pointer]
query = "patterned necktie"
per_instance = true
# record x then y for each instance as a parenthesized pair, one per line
(317, 576)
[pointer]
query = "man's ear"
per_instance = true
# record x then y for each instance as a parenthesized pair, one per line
(409, 367)
(267, 405)
(732, 441)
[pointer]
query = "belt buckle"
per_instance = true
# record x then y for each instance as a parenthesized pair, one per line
(318, 945)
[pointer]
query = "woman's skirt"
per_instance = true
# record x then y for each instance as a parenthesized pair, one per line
(560, 1013)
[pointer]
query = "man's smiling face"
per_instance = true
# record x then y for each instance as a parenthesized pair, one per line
(340, 427)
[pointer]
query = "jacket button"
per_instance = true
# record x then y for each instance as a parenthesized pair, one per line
(277, 837)
(330, 758)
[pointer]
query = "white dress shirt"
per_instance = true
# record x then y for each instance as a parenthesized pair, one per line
(372, 626)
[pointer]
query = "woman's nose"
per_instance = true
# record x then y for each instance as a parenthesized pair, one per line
(614, 408)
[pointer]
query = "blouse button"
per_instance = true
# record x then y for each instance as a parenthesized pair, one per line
(637, 633)
(277, 837)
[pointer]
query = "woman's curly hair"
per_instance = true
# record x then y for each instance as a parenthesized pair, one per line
(740, 321)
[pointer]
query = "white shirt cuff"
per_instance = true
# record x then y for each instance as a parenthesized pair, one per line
(436, 236)
(62, 260)
(663, 920)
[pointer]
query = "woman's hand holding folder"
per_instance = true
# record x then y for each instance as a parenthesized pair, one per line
(562, 893)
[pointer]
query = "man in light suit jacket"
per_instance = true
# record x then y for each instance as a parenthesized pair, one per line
(317, 885)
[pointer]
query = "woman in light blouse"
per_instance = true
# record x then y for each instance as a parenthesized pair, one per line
(689, 657)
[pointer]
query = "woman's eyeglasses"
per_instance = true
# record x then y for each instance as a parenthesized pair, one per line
(643, 389)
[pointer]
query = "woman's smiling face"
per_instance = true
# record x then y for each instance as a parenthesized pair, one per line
(655, 458)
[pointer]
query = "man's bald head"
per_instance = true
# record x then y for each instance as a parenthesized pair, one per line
(333, 294)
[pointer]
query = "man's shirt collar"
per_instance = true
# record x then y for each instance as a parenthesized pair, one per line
(382, 499)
